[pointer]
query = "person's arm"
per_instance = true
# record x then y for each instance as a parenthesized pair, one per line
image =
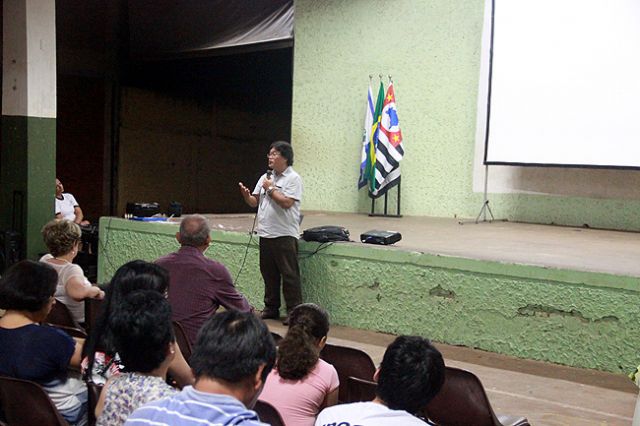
(180, 370)
(79, 216)
(249, 198)
(76, 358)
(103, 396)
(228, 296)
(330, 399)
(77, 289)
(281, 199)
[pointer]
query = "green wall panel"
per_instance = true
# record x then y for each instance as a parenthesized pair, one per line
(28, 167)
(568, 317)
(432, 49)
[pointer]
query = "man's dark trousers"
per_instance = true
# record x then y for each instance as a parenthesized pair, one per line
(279, 263)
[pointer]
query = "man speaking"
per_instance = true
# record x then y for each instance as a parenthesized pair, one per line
(277, 196)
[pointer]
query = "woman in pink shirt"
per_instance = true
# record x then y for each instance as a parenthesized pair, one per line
(302, 384)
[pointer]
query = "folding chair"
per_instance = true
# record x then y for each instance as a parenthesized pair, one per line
(26, 403)
(359, 390)
(268, 413)
(348, 362)
(61, 315)
(463, 401)
(93, 392)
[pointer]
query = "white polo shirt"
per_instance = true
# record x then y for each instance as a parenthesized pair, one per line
(273, 220)
(66, 206)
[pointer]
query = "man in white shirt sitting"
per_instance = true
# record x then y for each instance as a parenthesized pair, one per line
(67, 207)
(410, 375)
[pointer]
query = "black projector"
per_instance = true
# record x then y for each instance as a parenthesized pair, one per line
(380, 237)
(142, 209)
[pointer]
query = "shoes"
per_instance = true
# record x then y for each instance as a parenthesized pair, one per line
(285, 321)
(269, 315)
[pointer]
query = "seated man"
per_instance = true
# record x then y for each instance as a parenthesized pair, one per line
(411, 374)
(198, 285)
(231, 360)
(67, 207)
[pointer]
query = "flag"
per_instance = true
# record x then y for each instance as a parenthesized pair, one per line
(389, 151)
(370, 168)
(366, 137)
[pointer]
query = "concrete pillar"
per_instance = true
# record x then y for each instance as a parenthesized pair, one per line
(28, 160)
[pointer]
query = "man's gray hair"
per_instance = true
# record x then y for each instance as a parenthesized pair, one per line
(194, 230)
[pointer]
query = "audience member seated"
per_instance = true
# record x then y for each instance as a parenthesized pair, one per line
(233, 356)
(39, 353)
(199, 285)
(302, 384)
(101, 357)
(143, 337)
(67, 207)
(62, 238)
(410, 375)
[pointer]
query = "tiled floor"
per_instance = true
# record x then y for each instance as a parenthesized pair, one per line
(547, 394)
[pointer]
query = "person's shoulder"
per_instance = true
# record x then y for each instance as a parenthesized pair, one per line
(338, 413)
(324, 369)
(167, 258)
(291, 173)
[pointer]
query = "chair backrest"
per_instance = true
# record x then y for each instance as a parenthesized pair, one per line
(348, 362)
(26, 403)
(71, 331)
(92, 308)
(360, 389)
(268, 413)
(61, 315)
(461, 400)
(276, 338)
(93, 392)
(182, 340)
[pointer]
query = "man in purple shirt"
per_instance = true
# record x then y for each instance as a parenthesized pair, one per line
(198, 285)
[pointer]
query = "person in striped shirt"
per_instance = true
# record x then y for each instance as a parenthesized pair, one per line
(233, 355)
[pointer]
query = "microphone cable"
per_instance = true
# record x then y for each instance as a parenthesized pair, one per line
(261, 198)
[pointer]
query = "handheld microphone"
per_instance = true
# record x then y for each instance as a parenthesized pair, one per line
(269, 173)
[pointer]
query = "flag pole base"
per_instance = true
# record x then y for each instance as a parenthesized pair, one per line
(386, 214)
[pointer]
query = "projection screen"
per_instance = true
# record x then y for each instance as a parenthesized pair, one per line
(564, 85)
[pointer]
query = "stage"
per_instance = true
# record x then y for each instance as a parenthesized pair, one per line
(581, 249)
(558, 294)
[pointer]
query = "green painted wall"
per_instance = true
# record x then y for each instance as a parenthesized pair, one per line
(28, 166)
(575, 318)
(432, 50)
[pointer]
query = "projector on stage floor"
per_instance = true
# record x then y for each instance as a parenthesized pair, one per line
(380, 237)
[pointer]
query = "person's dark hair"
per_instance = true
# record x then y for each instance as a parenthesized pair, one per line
(285, 149)
(142, 330)
(411, 374)
(231, 346)
(194, 230)
(27, 286)
(134, 275)
(298, 352)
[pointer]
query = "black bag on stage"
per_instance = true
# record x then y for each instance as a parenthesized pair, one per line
(326, 233)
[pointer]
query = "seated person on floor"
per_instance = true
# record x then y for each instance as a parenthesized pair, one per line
(232, 358)
(67, 207)
(199, 285)
(62, 238)
(144, 339)
(35, 352)
(410, 375)
(302, 384)
(100, 357)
